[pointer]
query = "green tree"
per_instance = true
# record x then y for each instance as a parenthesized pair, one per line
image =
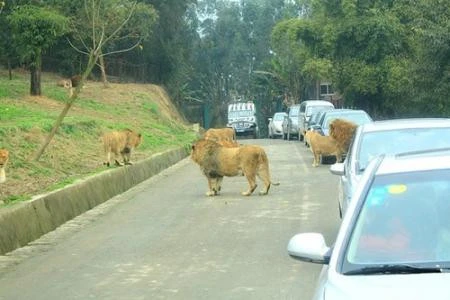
(34, 30)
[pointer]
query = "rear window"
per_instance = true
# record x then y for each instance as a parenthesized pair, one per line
(294, 110)
(316, 108)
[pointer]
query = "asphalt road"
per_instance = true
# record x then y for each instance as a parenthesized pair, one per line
(164, 239)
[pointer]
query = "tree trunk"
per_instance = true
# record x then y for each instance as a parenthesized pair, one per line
(9, 69)
(93, 57)
(35, 80)
(103, 70)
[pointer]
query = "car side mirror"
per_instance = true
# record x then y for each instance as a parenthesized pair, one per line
(309, 247)
(337, 169)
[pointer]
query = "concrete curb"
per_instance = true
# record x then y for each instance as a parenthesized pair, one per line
(25, 222)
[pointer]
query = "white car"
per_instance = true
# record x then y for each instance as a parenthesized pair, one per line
(394, 240)
(386, 137)
(275, 128)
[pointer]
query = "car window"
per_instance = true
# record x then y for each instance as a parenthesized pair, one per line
(278, 117)
(357, 118)
(404, 218)
(401, 140)
(293, 111)
(310, 110)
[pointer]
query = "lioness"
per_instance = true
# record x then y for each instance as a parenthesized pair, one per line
(120, 142)
(220, 134)
(4, 156)
(322, 145)
(217, 161)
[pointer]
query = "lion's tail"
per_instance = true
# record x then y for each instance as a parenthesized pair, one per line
(264, 161)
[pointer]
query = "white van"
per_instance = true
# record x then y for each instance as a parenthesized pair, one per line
(307, 108)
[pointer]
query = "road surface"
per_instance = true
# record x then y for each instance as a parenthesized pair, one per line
(164, 239)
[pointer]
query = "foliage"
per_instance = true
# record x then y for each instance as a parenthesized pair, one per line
(35, 29)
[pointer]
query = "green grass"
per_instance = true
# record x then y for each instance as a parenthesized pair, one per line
(75, 152)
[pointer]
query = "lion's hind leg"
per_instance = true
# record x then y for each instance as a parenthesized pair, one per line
(251, 178)
(264, 175)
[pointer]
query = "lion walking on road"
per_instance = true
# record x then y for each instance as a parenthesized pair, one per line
(217, 161)
(120, 143)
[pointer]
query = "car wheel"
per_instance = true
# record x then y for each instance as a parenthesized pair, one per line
(300, 137)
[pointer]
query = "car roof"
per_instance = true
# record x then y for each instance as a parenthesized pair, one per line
(415, 161)
(341, 111)
(280, 113)
(317, 102)
(407, 123)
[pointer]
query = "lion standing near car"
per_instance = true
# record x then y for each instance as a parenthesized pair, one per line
(4, 156)
(322, 145)
(217, 161)
(120, 143)
(342, 131)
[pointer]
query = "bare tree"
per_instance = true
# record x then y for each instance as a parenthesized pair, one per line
(106, 20)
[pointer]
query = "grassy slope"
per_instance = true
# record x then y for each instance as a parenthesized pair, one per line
(76, 150)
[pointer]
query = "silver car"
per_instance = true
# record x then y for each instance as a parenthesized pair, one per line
(394, 240)
(275, 128)
(390, 137)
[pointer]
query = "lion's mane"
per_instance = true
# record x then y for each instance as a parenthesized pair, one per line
(342, 131)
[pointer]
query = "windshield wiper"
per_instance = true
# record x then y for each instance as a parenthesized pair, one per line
(396, 269)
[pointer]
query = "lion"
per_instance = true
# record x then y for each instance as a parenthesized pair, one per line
(342, 131)
(322, 145)
(4, 156)
(120, 142)
(220, 134)
(217, 161)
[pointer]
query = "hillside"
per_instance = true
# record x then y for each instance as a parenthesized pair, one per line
(76, 151)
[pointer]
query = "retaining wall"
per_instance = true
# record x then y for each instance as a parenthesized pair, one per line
(25, 222)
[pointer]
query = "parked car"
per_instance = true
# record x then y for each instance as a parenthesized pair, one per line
(290, 123)
(356, 116)
(314, 120)
(274, 128)
(394, 240)
(307, 108)
(386, 137)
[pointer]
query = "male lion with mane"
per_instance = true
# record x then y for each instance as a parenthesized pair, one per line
(120, 142)
(217, 161)
(342, 131)
(4, 156)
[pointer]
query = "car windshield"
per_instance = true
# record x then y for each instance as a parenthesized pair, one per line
(403, 220)
(357, 118)
(310, 110)
(294, 110)
(241, 113)
(278, 117)
(400, 140)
